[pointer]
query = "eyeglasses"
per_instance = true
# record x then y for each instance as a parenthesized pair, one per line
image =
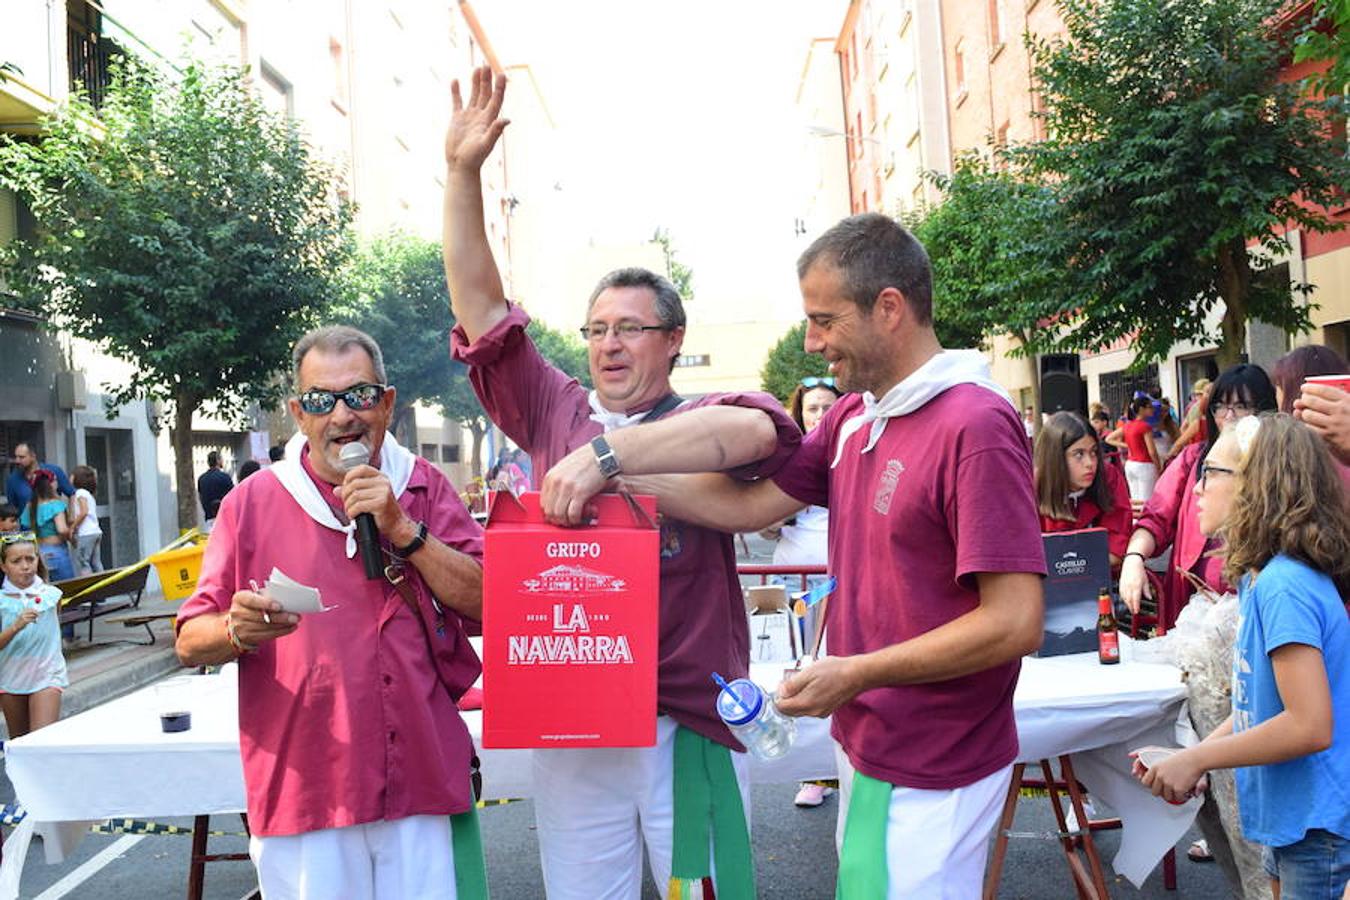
(1207, 470)
(624, 331)
(811, 381)
(1237, 409)
(18, 537)
(358, 397)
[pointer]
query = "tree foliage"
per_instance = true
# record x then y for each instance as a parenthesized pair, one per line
(680, 275)
(184, 229)
(1173, 143)
(1325, 38)
(995, 244)
(397, 295)
(788, 363)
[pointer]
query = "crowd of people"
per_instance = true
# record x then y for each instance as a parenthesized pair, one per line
(906, 470)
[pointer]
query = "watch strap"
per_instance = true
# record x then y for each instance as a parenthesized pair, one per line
(415, 544)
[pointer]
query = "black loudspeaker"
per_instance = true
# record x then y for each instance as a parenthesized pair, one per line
(1061, 391)
(1059, 362)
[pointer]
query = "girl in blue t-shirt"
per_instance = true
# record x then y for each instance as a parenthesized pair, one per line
(1271, 489)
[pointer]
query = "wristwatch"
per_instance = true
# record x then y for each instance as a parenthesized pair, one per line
(605, 458)
(415, 544)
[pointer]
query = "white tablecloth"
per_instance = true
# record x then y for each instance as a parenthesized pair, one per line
(114, 761)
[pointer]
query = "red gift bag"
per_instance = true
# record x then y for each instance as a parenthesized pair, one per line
(570, 626)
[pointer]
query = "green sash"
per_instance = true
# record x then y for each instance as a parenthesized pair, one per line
(466, 845)
(708, 812)
(862, 861)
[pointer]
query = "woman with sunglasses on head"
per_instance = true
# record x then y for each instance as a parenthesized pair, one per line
(1169, 517)
(45, 515)
(1270, 487)
(1076, 488)
(802, 539)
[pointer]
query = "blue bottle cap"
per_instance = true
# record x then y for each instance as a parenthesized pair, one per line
(740, 701)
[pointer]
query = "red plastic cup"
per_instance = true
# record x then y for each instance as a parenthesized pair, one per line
(1337, 381)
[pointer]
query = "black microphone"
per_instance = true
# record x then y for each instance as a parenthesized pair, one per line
(367, 536)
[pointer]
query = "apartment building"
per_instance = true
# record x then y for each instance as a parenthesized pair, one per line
(978, 94)
(368, 82)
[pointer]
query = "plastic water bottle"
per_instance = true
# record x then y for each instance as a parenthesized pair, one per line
(753, 718)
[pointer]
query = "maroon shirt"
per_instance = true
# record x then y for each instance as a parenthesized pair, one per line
(349, 719)
(946, 493)
(1172, 517)
(702, 619)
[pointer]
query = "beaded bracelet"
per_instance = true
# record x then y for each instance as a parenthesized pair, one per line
(240, 648)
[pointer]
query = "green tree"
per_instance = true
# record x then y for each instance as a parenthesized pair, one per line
(566, 351)
(184, 229)
(1172, 145)
(995, 244)
(1325, 38)
(788, 363)
(680, 275)
(397, 295)
(459, 403)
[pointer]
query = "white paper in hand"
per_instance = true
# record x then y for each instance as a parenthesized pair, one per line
(292, 595)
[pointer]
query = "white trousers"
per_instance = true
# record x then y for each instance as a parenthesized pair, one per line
(1140, 476)
(937, 842)
(406, 859)
(595, 808)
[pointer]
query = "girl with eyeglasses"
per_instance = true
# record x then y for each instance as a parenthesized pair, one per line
(1269, 486)
(32, 669)
(1076, 487)
(1169, 517)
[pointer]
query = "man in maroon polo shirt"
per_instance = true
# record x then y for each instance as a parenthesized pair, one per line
(356, 761)
(597, 808)
(935, 542)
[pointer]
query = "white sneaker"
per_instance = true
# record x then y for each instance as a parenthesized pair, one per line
(812, 794)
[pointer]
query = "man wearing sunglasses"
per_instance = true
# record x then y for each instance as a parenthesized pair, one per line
(595, 808)
(357, 765)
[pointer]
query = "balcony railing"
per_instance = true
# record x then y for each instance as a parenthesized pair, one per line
(89, 55)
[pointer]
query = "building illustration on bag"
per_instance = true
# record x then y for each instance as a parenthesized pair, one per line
(565, 579)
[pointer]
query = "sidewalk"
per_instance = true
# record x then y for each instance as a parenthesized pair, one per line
(118, 660)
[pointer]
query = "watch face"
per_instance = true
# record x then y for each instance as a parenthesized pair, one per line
(604, 457)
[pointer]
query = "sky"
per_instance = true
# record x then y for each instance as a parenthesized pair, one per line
(679, 115)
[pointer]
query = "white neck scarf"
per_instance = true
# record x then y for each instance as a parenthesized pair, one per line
(396, 464)
(38, 590)
(612, 420)
(946, 369)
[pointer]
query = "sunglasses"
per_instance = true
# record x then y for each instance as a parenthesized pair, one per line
(359, 397)
(811, 381)
(18, 537)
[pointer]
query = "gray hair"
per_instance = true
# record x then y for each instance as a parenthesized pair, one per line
(335, 339)
(872, 252)
(669, 307)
